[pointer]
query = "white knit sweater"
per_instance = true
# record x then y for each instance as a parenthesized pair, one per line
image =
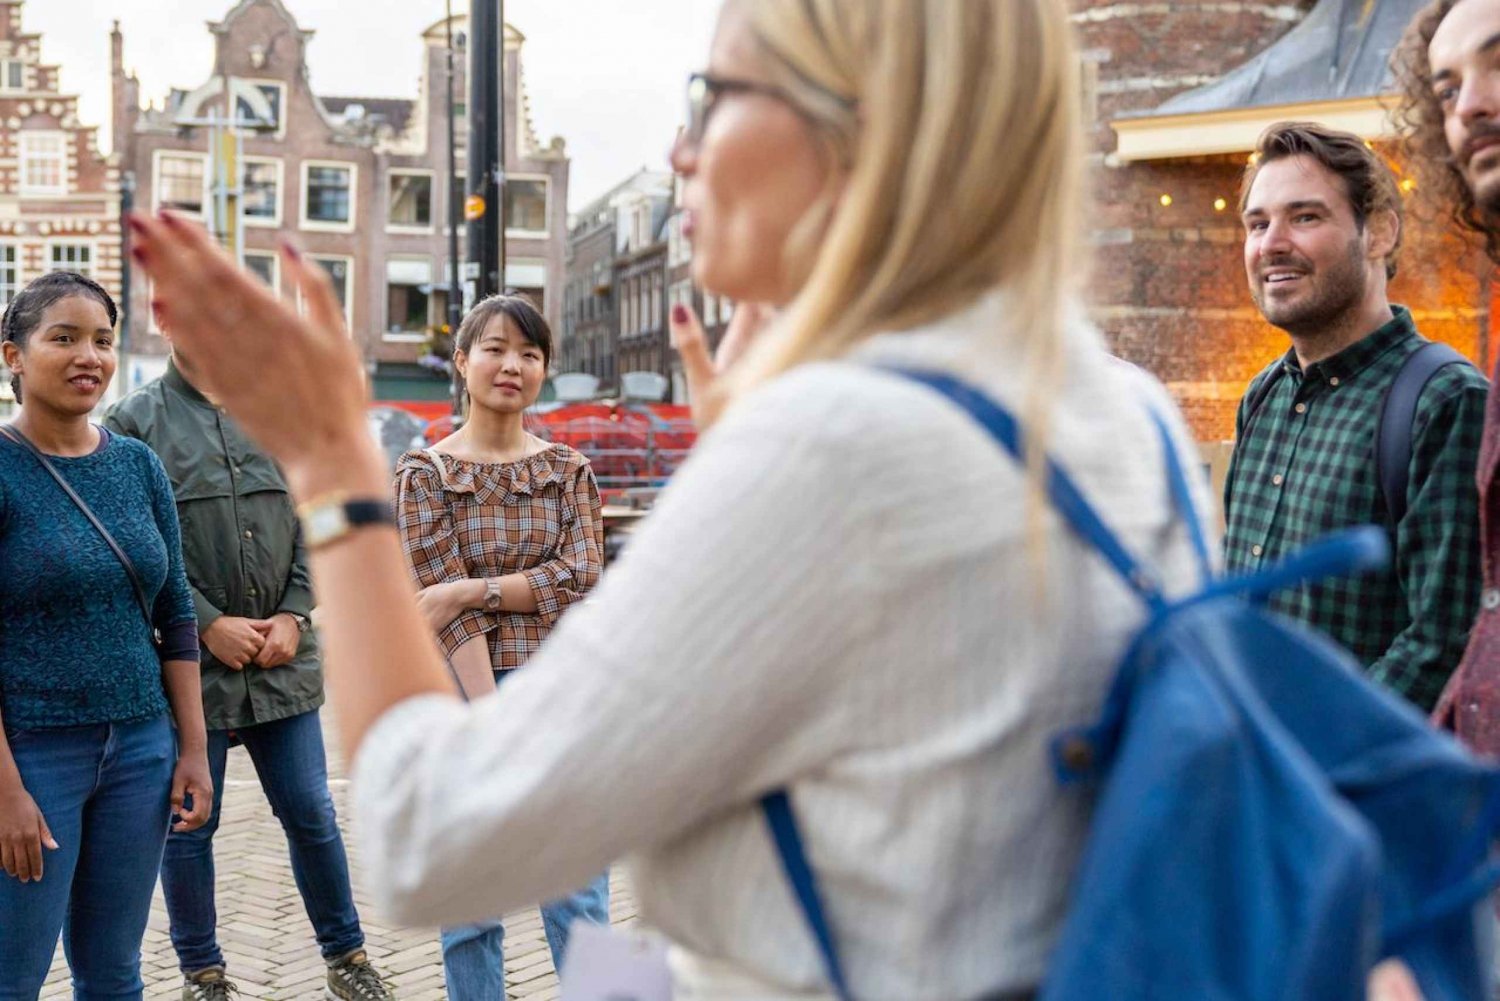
(838, 593)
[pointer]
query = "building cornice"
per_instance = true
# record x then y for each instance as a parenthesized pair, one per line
(1235, 130)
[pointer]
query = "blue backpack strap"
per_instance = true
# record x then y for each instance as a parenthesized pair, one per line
(1064, 493)
(1084, 521)
(1393, 442)
(777, 807)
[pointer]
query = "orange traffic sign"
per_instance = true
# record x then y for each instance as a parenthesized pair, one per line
(474, 208)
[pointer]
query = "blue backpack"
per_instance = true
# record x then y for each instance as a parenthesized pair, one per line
(1268, 824)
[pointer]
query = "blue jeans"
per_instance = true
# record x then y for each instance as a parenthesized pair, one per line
(105, 792)
(288, 758)
(474, 957)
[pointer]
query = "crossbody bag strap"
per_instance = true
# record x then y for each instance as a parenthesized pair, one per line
(135, 578)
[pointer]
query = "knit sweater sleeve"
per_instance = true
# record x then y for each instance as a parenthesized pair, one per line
(172, 612)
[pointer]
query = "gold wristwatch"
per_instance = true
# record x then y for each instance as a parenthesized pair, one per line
(328, 518)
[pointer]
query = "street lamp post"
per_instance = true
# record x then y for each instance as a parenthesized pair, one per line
(455, 287)
(485, 207)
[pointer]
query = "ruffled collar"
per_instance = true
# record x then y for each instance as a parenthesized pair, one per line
(486, 480)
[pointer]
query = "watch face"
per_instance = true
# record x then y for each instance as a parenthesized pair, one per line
(325, 523)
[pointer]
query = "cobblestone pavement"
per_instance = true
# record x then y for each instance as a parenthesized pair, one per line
(267, 941)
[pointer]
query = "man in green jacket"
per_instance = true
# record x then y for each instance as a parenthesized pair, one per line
(262, 677)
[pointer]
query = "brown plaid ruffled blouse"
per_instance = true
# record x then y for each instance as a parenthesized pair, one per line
(538, 516)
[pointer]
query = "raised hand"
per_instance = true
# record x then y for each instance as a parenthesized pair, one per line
(231, 325)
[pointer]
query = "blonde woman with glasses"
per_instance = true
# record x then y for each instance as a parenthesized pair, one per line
(849, 592)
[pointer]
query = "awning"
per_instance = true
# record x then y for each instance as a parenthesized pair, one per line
(1333, 67)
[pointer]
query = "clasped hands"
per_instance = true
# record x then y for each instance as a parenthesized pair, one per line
(266, 643)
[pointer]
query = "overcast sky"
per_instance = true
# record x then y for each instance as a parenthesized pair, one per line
(606, 75)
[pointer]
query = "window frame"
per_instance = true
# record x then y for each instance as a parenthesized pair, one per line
(275, 260)
(49, 265)
(517, 232)
(349, 284)
(5, 67)
(35, 191)
(323, 226)
(280, 85)
(397, 227)
(157, 156)
(14, 265)
(400, 336)
(261, 222)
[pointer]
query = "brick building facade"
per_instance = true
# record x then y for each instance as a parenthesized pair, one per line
(360, 183)
(59, 196)
(1175, 113)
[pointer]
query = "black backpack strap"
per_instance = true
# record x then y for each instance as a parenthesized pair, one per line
(135, 578)
(1257, 396)
(1398, 411)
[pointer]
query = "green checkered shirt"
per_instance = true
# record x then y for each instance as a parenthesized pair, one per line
(1306, 467)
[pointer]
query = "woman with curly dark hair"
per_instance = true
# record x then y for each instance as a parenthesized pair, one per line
(1450, 78)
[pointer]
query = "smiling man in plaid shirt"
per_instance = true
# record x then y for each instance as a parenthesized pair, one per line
(1322, 218)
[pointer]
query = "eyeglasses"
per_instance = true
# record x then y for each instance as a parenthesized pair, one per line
(704, 90)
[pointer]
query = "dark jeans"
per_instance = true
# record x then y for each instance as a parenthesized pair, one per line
(105, 793)
(288, 758)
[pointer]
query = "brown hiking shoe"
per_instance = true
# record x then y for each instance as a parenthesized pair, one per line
(207, 985)
(352, 978)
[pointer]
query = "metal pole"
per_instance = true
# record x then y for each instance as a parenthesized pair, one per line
(455, 289)
(486, 46)
(501, 285)
(127, 205)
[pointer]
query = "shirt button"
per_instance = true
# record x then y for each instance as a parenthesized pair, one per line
(1276, 480)
(235, 470)
(252, 592)
(1301, 408)
(1491, 599)
(1256, 550)
(249, 534)
(1334, 381)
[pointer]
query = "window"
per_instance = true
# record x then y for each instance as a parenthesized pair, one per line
(43, 163)
(180, 183)
(261, 192)
(265, 267)
(341, 270)
(411, 201)
(328, 195)
(272, 94)
(12, 75)
(10, 273)
(526, 205)
(77, 257)
(408, 283)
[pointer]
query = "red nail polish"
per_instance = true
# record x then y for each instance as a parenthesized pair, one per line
(679, 313)
(139, 253)
(168, 218)
(291, 250)
(135, 223)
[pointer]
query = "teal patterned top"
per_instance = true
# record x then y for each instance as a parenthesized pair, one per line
(74, 647)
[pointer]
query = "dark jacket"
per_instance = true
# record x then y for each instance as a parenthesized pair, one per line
(241, 544)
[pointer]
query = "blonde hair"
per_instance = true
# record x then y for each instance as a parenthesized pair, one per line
(955, 130)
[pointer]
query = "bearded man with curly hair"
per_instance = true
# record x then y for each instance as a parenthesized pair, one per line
(1448, 66)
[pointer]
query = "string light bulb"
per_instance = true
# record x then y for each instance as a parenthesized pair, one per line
(1220, 205)
(1166, 200)
(1408, 185)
